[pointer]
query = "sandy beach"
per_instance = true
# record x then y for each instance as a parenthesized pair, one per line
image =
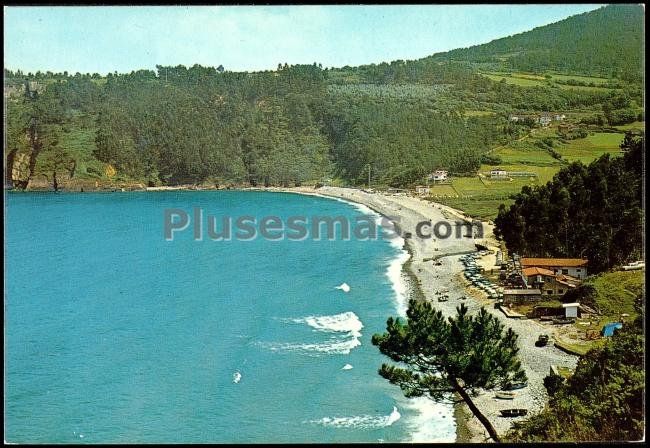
(445, 273)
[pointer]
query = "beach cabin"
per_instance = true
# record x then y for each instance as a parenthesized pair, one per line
(571, 310)
(423, 190)
(573, 267)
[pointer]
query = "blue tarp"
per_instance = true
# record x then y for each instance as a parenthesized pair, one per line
(608, 329)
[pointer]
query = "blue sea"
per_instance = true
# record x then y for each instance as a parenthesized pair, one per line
(115, 334)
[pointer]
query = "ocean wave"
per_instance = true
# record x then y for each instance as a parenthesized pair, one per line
(431, 422)
(396, 277)
(360, 421)
(347, 322)
(347, 325)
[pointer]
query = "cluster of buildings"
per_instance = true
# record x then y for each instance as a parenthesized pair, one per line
(530, 280)
(543, 119)
(438, 176)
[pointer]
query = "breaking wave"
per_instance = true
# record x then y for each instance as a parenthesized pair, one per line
(345, 328)
(360, 422)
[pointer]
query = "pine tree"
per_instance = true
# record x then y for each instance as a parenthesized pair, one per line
(444, 356)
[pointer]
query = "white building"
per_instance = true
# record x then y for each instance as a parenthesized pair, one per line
(423, 190)
(439, 175)
(570, 309)
(575, 267)
(498, 172)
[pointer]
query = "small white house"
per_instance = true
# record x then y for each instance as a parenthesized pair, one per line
(498, 172)
(544, 119)
(423, 190)
(571, 309)
(439, 175)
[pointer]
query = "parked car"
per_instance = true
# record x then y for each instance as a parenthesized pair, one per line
(542, 340)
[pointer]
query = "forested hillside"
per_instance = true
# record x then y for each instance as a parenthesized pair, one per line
(593, 211)
(388, 124)
(606, 42)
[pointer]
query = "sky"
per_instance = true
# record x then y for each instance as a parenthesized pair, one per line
(248, 38)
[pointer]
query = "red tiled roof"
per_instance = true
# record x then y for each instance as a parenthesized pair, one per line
(565, 262)
(536, 271)
(568, 280)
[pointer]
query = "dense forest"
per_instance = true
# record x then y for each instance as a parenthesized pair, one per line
(603, 42)
(593, 211)
(388, 124)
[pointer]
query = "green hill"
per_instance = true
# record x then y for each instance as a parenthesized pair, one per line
(608, 41)
(388, 124)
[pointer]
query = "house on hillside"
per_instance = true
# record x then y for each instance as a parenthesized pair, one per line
(573, 267)
(423, 190)
(439, 175)
(548, 282)
(498, 173)
(559, 117)
(545, 119)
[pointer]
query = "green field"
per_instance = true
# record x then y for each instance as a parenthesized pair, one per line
(516, 80)
(480, 207)
(590, 79)
(615, 293)
(526, 155)
(590, 148)
(481, 196)
(532, 80)
(636, 126)
(475, 186)
(444, 190)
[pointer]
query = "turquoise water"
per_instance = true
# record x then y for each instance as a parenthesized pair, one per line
(113, 334)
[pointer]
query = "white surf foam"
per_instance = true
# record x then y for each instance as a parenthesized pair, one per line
(360, 421)
(432, 422)
(396, 277)
(343, 287)
(347, 322)
(347, 325)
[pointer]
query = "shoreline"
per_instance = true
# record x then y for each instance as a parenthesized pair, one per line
(426, 278)
(465, 432)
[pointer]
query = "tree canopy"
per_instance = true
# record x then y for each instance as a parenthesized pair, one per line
(595, 211)
(439, 356)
